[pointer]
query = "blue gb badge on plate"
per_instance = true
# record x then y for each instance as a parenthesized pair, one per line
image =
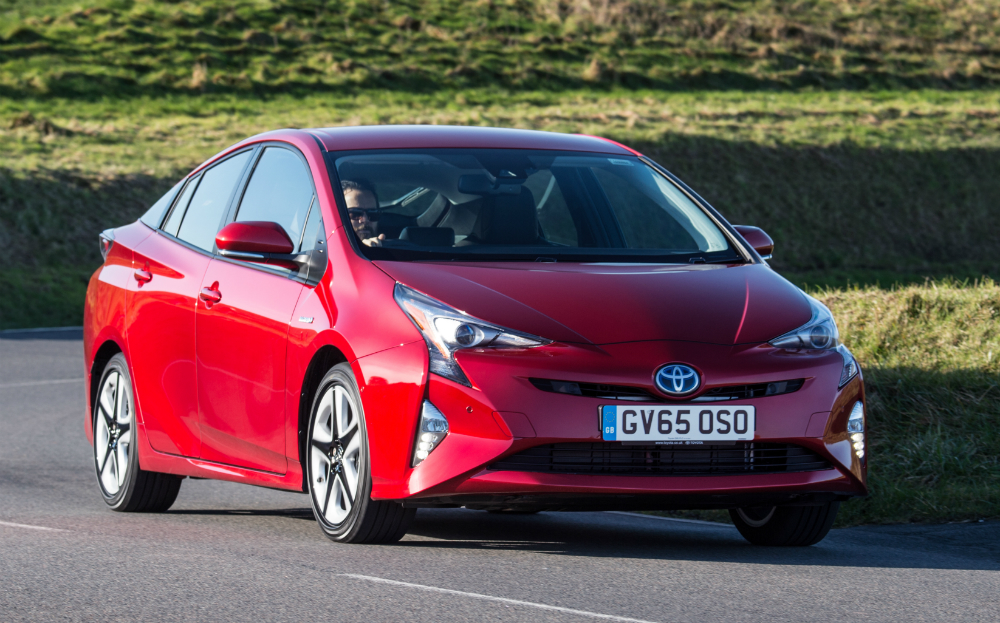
(609, 422)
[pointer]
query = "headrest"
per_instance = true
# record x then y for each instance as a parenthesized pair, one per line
(507, 219)
(429, 236)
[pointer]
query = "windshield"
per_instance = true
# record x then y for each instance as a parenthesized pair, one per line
(517, 204)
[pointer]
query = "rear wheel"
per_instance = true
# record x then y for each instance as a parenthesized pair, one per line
(339, 470)
(785, 525)
(124, 485)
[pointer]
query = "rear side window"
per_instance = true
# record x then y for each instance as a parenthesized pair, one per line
(177, 214)
(280, 191)
(208, 205)
(154, 215)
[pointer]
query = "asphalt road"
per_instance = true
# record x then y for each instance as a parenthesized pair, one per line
(238, 553)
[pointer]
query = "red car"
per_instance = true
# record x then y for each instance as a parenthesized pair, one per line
(390, 318)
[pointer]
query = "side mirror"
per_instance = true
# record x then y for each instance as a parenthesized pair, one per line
(758, 239)
(258, 241)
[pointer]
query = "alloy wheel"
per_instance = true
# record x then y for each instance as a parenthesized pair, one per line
(113, 433)
(335, 455)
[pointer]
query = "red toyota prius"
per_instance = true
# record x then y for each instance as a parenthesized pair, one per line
(401, 317)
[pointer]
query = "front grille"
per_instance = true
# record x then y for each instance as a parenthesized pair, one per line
(742, 392)
(594, 390)
(638, 394)
(611, 458)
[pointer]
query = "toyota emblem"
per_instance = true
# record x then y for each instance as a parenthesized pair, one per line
(677, 379)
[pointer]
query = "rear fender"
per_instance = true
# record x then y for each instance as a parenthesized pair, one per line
(104, 310)
(111, 343)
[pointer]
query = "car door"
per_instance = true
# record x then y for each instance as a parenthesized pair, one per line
(242, 323)
(160, 316)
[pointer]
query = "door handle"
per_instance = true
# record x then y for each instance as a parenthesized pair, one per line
(211, 295)
(143, 275)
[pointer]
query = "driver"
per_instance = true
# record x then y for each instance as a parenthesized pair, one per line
(362, 208)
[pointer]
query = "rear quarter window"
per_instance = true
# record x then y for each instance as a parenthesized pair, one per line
(177, 214)
(154, 215)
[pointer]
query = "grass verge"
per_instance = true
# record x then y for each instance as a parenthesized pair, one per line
(88, 49)
(930, 355)
(49, 296)
(846, 183)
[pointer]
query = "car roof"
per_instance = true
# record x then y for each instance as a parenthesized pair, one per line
(445, 136)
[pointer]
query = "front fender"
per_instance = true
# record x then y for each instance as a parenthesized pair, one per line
(393, 385)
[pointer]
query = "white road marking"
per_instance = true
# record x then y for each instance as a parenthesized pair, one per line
(39, 330)
(33, 383)
(694, 521)
(23, 525)
(516, 602)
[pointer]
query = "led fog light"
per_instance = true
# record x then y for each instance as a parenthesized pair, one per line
(432, 430)
(856, 429)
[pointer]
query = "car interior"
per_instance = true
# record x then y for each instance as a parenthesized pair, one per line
(502, 199)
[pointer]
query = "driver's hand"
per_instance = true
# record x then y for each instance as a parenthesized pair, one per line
(374, 242)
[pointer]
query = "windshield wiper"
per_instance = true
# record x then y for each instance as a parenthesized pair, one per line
(724, 260)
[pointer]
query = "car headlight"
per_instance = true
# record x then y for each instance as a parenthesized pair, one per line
(447, 331)
(819, 333)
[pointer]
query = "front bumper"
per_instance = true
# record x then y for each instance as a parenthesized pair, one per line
(505, 414)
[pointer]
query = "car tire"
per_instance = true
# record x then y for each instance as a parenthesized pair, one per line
(125, 486)
(790, 526)
(338, 468)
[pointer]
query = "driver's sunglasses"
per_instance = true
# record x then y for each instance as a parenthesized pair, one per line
(357, 213)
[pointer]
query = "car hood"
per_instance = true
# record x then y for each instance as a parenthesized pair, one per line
(613, 303)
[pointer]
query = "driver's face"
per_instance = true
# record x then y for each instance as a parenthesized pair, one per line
(361, 200)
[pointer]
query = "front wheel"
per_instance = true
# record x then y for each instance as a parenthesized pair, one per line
(794, 526)
(124, 485)
(338, 468)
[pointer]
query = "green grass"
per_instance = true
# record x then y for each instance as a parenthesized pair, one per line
(43, 296)
(863, 135)
(912, 194)
(931, 356)
(90, 49)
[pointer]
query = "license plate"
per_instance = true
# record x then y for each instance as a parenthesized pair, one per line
(673, 424)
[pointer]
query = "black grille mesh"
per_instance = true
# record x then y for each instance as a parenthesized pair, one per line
(638, 394)
(611, 458)
(594, 390)
(742, 392)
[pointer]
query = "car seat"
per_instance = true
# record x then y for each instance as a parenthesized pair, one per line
(505, 220)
